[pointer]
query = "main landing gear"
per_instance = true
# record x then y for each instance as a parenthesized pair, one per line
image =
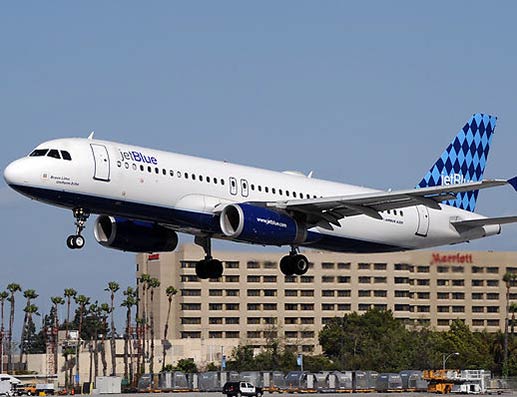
(208, 267)
(77, 241)
(294, 263)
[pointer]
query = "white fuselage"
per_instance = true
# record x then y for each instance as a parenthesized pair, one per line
(187, 193)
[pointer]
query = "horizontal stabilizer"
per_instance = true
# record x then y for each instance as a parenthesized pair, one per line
(513, 182)
(471, 223)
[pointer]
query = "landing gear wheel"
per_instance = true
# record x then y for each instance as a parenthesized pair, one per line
(70, 242)
(286, 266)
(202, 269)
(209, 268)
(79, 242)
(300, 264)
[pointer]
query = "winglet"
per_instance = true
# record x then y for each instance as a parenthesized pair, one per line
(513, 182)
(90, 137)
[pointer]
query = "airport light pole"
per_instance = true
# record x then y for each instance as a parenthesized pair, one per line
(446, 356)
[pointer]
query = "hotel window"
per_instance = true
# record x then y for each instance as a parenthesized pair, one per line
(307, 306)
(291, 306)
(380, 293)
(458, 295)
(232, 292)
(344, 307)
(442, 281)
(344, 293)
(401, 294)
(424, 281)
(253, 279)
(492, 296)
(492, 309)
(343, 279)
(380, 306)
(328, 265)
(401, 308)
(364, 307)
(253, 265)
(269, 265)
(232, 306)
(443, 322)
(442, 295)
(215, 292)
(253, 306)
(253, 334)
(190, 320)
(363, 266)
(493, 270)
(478, 309)
(190, 292)
(307, 279)
(443, 269)
(401, 280)
(327, 306)
(458, 309)
(307, 292)
(191, 334)
(215, 306)
(423, 295)
(458, 283)
(291, 292)
(307, 320)
(270, 292)
(291, 334)
(492, 323)
(191, 306)
(380, 280)
(477, 295)
(327, 279)
(458, 269)
(307, 334)
(327, 292)
(270, 279)
(253, 320)
(232, 334)
(231, 265)
(269, 306)
(253, 292)
(443, 309)
(215, 320)
(478, 323)
(231, 279)
(492, 283)
(270, 320)
(365, 280)
(477, 283)
(364, 292)
(232, 320)
(423, 309)
(291, 320)
(380, 266)
(477, 269)
(422, 269)
(215, 334)
(343, 265)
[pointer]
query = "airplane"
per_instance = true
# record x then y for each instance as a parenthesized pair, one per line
(144, 197)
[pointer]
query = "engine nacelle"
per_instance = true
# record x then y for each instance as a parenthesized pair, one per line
(133, 236)
(260, 225)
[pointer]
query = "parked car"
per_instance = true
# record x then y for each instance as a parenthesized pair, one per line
(238, 389)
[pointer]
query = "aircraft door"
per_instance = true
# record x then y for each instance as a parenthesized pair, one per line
(423, 220)
(101, 162)
(244, 188)
(233, 186)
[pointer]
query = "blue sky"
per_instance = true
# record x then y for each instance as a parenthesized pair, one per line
(367, 93)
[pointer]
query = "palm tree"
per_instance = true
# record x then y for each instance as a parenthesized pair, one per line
(170, 291)
(509, 279)
(28, 294)
(82, 301)
(69, 294)
(12, 288)
(144, 282)
(29, 310)
(94, 311)
(513, 309)
(56, 300)
(105, 310)
(112, 288)
(3, 296)
(129, 302)
(153, 283)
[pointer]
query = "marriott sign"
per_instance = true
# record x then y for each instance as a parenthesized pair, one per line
(450, 258)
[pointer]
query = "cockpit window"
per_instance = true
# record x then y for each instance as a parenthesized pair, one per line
(38, 153)
(65, 155)
(54, 153)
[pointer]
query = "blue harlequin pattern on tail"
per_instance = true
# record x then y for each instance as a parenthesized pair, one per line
(464, 160)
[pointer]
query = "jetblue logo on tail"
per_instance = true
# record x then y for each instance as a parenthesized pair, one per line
(464, 160)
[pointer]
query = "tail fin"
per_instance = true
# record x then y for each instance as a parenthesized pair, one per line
(464, 160)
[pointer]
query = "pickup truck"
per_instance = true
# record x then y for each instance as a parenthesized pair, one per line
(238, 389)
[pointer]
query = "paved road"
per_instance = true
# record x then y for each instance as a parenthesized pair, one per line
(216, 394)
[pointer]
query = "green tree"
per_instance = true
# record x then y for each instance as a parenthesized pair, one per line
(56, 301)
(509, 280)
(29, 295)
(187, 365)
(241, 359)
(82, 301)
(112, 288)
(153, 284)
(3, 296)
(12, 288)
(69, 294)
(128, 303)
(29, 331)
(143, 322)
(170, 291)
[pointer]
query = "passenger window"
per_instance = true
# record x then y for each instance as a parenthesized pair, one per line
(164, 171)
(280, 192)
(66, 155)
(294, 194)
(193, 177)
(54, 153)
(149, 168)
(134, 166)
(273, 190)
(266, 189)
(201, 178)
(157, 170)
(178, 174)
(126, 164)
(186, 175)
(38, 153)
(308, 197)
(287, 193)
(401, 213)
(259, 188)
(215, 181)
(171, 172)
(141, 167)
(208, 179)
(252, 186)
(222, 181)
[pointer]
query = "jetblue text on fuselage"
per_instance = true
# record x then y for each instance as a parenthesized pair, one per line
(453, 179)
(137, 157)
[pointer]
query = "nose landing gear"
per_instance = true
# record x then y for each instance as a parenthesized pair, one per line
(294, 263)
(77, 241)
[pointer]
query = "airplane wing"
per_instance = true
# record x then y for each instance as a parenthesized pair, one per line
(328, 211)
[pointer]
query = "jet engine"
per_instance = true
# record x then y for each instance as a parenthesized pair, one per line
(133, 236)
(260, 225)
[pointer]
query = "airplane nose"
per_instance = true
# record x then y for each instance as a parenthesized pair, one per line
(13, 173)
